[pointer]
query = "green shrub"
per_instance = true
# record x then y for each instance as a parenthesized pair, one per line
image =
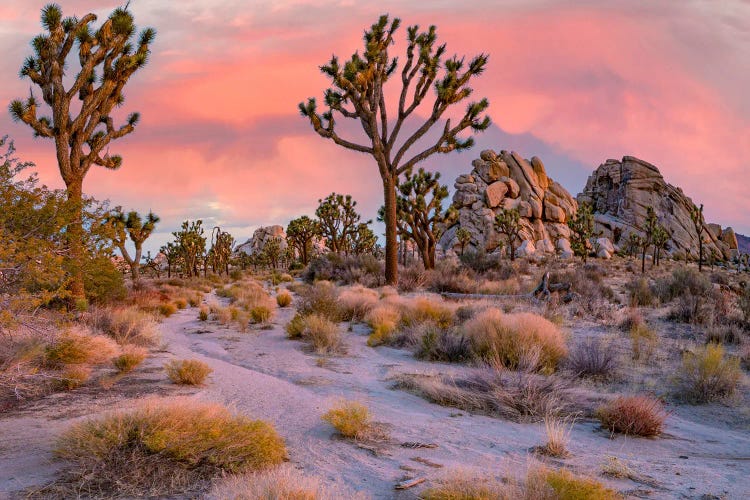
(350, 418)
(260, 314)
(131, 357)
(295, 327)
(102, 281)
(708, 374)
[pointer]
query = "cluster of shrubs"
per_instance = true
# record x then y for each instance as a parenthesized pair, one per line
(248, 302)
(363, 269)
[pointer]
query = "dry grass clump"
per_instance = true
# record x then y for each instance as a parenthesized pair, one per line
(187, 371)
(295, 327)
(640, 293)
(446, 278)
(440, 344)
(633, 415)
(507, 338)
(127, 325)
(131, 357)
(350, 418)
(181, 303)
(426, 310)
(74, 376)
(281, 483)
(593, 358)
(356, 302)
(322, 299)
(558, 435)
(458, 485)
(323, 334)
(643, 341)
(520, 397)
(707, 374)
(163, 448)
(568, 486)
(78, 347)
(260, 314)
(283, 299)
(167, 309)
(383, 319)
(203, 313)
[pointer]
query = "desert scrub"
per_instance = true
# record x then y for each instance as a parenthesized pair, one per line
(76, 347)
(320, 298)
(356, 302)
(439, 344)
(708, 374)
(568, 486)
(640, 293)
(203, 314)
(350, 418)
(260, 314)
(167, 309)
(593, 358)
(281, 483)
(187, 371)
(283, 299)
(633, 415)
(424, 310)
(74, 376)
(643, 341)
(131, 357)
(162, 448)
(127, 325)
(383, 320)
(509, 338)
(295, 327)
(558, 432)
(323, 334)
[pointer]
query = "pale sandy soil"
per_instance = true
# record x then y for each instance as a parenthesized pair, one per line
(264, 375)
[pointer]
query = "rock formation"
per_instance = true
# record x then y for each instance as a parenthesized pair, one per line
(620, 192)
(261, 236)
(504, 181)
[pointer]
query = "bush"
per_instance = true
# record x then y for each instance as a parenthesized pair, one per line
(568, 486)
(355, 302)
(424, 310)
(643, 341)
(350, 418)
(323, 334)
(383, 320)
(187, 371)
(102, 281)
(74, 376)
(181, 303)
(320, 298)
(163, 448)
(167, 309)
(203, 314)
(131, 357)
(79, 348)
(684, 281)
(411, 278)
(295, 327)
(593, 358)
(260, 314)
(283, 299)
(633, 415)
(439, 344)
(744, 303)
(363, 269)
(448, 278)
(558, 436)
(708, 375)
(639, 293)
(508, 338)
(127, 325)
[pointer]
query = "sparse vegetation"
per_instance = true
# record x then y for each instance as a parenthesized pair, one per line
(187, 371)
(568, 486)
(558, 432)
(633, 415)
(323, 334)
(131, 357)
(708, 374)
(350, 418)
(162, 448)
(79, 347)
(283, 299)
(643, 341)
(593, 358)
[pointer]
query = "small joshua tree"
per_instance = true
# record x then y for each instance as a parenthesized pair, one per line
(272, 251)
(582, 230)
(660, 239)
(363, 240)
(464, 238)
(650, 227)
(300, 234)
(338, 220)
(221, 250)
(191, 245)
(81, 123)
(137, 229)
(171, 253)
(358, 92)
(696, 215)
(508, 222)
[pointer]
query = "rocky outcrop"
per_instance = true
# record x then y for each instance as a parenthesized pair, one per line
(620, 191)
(261, 236)
(506, 180)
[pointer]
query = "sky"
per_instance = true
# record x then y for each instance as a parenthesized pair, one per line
(573, 82)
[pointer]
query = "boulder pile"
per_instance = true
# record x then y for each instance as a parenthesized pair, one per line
(261, 236)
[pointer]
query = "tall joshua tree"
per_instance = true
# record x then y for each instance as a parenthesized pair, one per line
(464, 238)
(300, 234)
(357, 92)
(581, 230)
(338, 221)
(508, 222)
(133, 226)
(81, 123)
(696, 215)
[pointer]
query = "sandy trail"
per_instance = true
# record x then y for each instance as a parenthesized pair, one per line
(264, 375)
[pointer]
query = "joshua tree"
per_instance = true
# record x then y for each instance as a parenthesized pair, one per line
(696, 215)
(133, 226)
(660, 239)
(338, 220)
(650, 227)
(107, 59)
(363, 240)
(272, 251)
(171, 253)
(508, 222)
(357, 92)
(191, 245)
(464, 238)
(221, 250)
(300, 234)
(582, 230)
(633, 244)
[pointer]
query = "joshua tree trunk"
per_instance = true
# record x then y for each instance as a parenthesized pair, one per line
(391, 226)
(76, 253)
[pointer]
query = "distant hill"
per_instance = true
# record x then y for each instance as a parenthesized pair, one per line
(743, 243)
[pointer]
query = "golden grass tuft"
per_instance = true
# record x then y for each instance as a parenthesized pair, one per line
(355, 302)
(260, 314)
(131, 357)
(633, 415)
(167, 309)
(127, 325)
(350, 418)
(323, 334)
(568, 486)
(509, 338)
(296, 327)
(283, 299)
(423, 310)
(558, 435)
(203, 313)
(162, 448)
(74, 376)
(78, 347)
(383, 319)
(644, 341)
(708, 374)
(187, 371)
